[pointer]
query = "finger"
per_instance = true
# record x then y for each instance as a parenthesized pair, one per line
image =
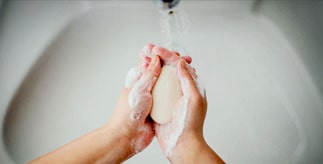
(146, 52)
(149, 77)
(168, 57)
(140, 99)
(188, 59)
(143, 66)
(192, 71)
(147, 59)
(188, 84)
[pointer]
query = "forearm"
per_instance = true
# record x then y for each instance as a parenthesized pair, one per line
(194, 151)
(103, 145)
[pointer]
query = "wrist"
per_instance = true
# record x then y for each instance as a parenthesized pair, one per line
(194, 149)
(186, 148)
(119, 143)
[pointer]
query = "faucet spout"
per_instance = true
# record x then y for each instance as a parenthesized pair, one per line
(166, 4)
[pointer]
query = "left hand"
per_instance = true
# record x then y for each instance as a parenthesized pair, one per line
(129, 130)
(135, 102)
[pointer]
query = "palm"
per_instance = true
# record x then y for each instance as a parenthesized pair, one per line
(169, 133)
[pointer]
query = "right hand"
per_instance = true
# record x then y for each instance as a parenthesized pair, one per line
(187, 122)
(181, 140)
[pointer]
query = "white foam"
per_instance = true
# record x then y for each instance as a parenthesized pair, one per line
(132, 77)
(146, 51)
(196, 79)
(138, 100)
(180, 115)
(176, 127)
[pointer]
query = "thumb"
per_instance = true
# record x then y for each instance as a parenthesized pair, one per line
(140, 98)
(187, 81)
(149, 77)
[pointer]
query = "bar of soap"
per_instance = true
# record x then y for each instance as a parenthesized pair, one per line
(166, 93)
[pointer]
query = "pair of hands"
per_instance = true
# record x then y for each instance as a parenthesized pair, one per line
(130, 129)
(131, 116)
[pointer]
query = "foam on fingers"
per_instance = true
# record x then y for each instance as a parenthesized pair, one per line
(140, 98)
(185, 71)
(147, 51)
(168, 57)
(132, 77)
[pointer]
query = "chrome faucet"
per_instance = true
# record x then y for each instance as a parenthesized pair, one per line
(166, 4)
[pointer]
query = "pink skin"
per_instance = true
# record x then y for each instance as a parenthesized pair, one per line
(171, 57)
(130, 129)
(186, 126)
(173, 129)
(142, 127)
(169, 133)
(166, 56)
(141, 110)
(131, 114)
(188, 115)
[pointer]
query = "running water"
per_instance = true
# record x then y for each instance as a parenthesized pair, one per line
(174, 25)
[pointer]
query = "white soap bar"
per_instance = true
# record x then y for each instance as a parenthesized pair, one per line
(166, 94)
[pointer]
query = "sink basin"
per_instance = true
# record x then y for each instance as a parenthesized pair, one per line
(264, 94)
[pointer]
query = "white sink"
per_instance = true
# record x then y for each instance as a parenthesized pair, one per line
(63, 64)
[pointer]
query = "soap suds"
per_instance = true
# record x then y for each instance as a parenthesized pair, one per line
(140, 98)
(132, 77)
(196, 79)
(140, 101)
(179, 122)
(147, 50)
(137, 97)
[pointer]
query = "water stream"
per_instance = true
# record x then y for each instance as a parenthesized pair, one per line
(174, 26)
